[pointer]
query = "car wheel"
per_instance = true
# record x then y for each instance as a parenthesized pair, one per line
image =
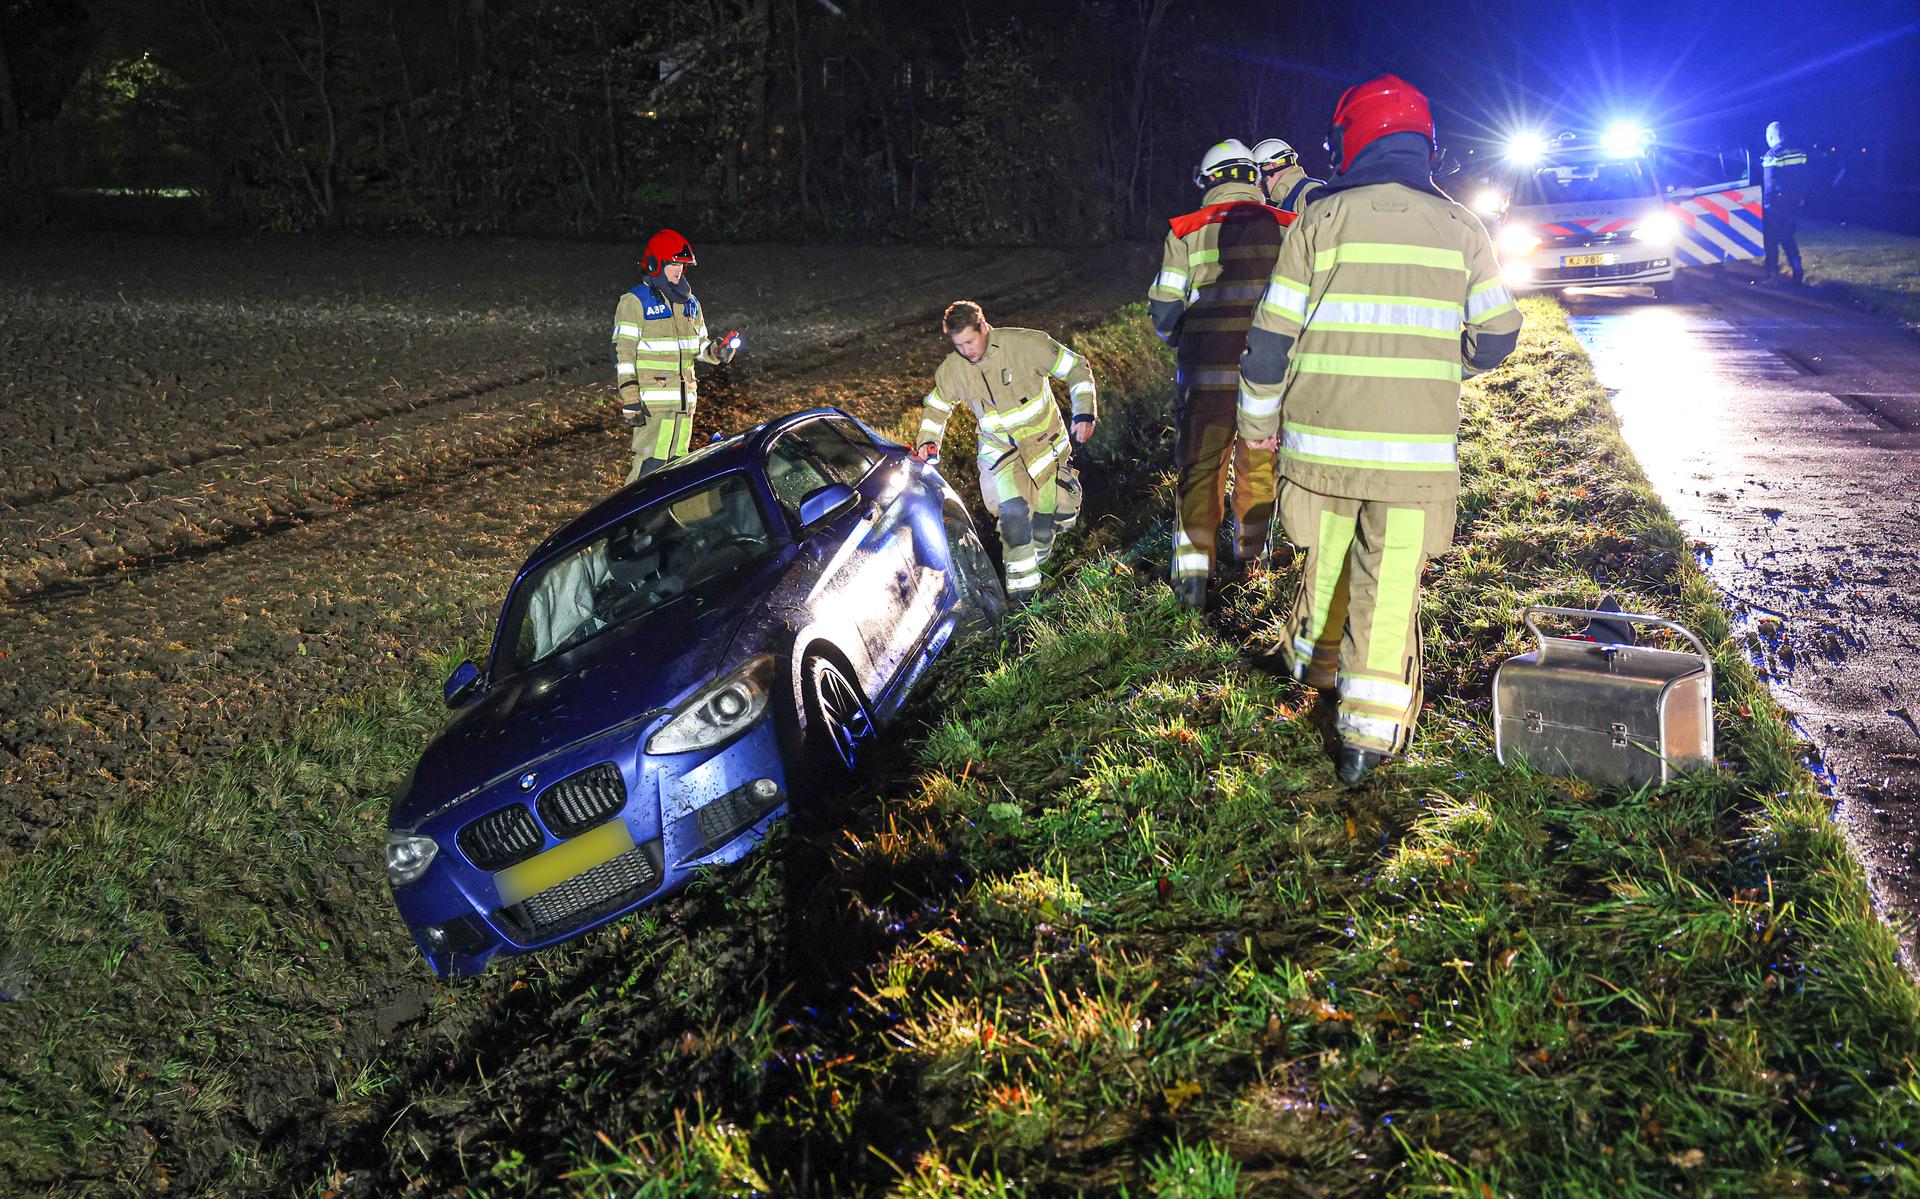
(981, 593)
(839, 723)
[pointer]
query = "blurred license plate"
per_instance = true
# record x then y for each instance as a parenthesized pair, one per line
(563, 861)
(1589, 260)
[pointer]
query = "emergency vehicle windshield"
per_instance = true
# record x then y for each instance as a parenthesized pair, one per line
(1583, 182)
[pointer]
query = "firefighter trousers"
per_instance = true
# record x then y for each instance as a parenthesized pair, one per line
(666, 436)
(1205, 447)
(1356, 619)
(1027, 529)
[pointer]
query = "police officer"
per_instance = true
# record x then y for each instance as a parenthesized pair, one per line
(1212, 269)
(1025, 453)
(659, 332)
(1782, 196)
(1286, 182)
(1384, 295)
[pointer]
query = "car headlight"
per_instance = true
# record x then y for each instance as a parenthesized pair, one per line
(1517, 240)
(719, 711)
(1489, 202)
(408, 856)
(1661, 227)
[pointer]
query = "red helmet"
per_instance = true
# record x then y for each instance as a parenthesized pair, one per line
(1371, 110)
(664, 247)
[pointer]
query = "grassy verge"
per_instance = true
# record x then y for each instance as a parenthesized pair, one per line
(1877, 270)
(1134, 940)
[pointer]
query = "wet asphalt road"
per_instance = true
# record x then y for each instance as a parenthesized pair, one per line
(1783, 430)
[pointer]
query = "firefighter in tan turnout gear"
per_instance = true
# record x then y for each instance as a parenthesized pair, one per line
(659, 332)
(1212, 270)
(1025, 454)
(1384, 296)
(1286, 182)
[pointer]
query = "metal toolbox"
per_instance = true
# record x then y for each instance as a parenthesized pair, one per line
(1623, 715)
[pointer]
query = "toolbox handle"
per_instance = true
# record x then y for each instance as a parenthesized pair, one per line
(1550, 610)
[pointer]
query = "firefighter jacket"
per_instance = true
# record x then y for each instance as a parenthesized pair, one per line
(1784, 175)
(1385, 295)
(656, 340)
(1023, 441)
(1293, 187)
(1213, 267)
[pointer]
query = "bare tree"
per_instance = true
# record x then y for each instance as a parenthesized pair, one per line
(1149, 16)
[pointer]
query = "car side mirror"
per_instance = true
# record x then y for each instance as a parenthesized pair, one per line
(823, 502)
(462, 684)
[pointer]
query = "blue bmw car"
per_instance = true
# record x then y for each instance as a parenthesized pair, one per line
(670, 671)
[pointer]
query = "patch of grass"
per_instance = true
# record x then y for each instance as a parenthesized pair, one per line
(1875, 269)
(190, 956)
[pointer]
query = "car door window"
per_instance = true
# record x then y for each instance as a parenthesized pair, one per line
(840, 447)
(793, 474)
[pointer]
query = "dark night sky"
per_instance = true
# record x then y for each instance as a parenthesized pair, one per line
(1700, 73)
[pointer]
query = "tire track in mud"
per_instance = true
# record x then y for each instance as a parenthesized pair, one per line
(59, 547)
(184, 457)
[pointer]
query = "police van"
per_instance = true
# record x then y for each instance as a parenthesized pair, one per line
(1581, 211)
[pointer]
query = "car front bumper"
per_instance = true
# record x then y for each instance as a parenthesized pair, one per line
(1557, 268)
(683, 812)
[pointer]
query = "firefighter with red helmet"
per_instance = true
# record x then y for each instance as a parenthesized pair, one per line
(1384, 296)
(659, 332)
(1213, 267)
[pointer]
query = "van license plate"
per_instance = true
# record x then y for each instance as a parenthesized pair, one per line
(1589, 260)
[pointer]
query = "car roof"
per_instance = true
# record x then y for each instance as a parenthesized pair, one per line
(740, 451)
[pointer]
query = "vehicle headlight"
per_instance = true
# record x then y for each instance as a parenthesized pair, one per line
(721, 710)
(1517, 240)
(408, 856)
(1661, 226)
(1526, 148)
(1489, 202)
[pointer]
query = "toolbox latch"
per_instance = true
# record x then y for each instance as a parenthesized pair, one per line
(1619, 732)
(1535, 722)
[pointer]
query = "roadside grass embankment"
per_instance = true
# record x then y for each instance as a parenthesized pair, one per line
(1871, 268)
(1142, 943)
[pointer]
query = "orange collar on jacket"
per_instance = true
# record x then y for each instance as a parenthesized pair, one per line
(1215, 213)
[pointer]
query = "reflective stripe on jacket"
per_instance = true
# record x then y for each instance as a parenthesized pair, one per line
(655, 344)
(1213, 267)
(1784, 177)
(1382, 299)
(1022, 436)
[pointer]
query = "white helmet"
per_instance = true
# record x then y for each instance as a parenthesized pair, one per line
(1274, 155)
(1226, 161)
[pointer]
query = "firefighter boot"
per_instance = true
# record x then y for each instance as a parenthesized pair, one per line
(1353, 763)
(1191, 591)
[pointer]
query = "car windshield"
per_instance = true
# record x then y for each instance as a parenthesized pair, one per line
(630, 568)
(1583, 182)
